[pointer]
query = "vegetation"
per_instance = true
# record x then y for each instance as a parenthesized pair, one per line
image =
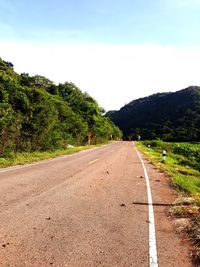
(168, 116)
(182, 162)
(19, 158)
(37, 115)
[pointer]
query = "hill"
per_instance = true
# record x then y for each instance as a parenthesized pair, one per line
(168, 116)
(36, 114)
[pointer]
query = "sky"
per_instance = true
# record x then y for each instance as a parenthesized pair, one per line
(115, 50)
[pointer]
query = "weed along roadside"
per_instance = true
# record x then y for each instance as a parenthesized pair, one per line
(20, 158)
(180, 161)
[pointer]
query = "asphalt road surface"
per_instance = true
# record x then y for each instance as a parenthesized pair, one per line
(86, 209)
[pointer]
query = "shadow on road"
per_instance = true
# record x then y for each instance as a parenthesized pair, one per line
(159, 204)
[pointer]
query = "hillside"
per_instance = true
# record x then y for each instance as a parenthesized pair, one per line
(36, 114)
(169, 116)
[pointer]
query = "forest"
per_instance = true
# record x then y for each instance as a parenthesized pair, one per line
(166, 116)
(38, 115)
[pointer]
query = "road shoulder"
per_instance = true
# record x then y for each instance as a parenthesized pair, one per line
(173, 249)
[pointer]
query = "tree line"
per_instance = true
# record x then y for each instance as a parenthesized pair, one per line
(36, 114)
(166, 116)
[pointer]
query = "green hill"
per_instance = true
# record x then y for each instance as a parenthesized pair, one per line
(36, 114)
(168, 116)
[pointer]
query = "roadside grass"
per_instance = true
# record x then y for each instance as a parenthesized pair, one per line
(182, 164)
(182, 168)
(29, 157)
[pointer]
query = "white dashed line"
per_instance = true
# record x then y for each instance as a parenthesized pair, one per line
(153, 259)
(93, 161)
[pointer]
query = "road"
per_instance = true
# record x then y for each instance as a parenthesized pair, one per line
(86, 209)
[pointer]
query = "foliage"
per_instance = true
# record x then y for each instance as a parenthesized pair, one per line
(168, 116)
(182, 162)
(37, 115)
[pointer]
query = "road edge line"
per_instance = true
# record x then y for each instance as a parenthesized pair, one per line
(153, 258)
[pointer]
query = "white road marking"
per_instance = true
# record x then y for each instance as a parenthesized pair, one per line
(93, 161)
(40, 162)
(153, 259)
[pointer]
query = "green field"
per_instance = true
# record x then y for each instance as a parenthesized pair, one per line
(182, 162)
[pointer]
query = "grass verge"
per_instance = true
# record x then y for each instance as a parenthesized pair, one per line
(29, 157)
(183, 170)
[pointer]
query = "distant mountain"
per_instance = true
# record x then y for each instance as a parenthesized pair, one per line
(169, 116)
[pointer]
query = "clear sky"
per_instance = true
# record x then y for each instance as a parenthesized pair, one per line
(115, 50)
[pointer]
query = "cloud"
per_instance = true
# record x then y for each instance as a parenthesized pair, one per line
(112, 74)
